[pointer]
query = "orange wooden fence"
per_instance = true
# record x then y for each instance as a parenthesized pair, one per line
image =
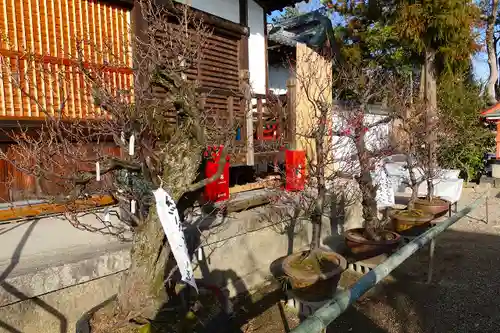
(39, 40)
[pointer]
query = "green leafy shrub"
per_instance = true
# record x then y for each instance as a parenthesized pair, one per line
(463, 147)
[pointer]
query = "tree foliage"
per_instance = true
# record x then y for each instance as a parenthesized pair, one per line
(460, 102)
(445, 26)
(288, 12)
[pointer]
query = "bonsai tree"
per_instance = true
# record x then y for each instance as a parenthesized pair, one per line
(312, 271)
(413, 141)
(339, 144)
(363, 93)
(146, 135)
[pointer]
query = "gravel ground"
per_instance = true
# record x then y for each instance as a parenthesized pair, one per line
(464, 295)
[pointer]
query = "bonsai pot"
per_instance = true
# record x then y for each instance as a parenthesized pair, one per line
(83, 324)
(361, 248)
(404, 220)
(437, 207)
(214, 316)
(314, 278)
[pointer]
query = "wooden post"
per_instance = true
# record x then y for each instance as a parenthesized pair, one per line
(260, 120)
(291, 107)
(280, 127)
(248, 112)
(230, 112)
(498, 140)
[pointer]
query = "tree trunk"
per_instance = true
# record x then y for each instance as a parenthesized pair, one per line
(490, 47)
(142, 291)
(413, 182)
(430, 95)
(317, 215)
(368, 190)
(142, 287)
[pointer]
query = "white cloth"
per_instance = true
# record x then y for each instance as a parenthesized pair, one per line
(385, 192)
(447, 186)
(448, 189)
(170, 221)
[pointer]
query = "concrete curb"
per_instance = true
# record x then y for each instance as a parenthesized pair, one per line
(81, 269)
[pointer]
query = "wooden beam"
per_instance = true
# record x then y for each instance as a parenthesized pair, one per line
(244, 58)
(291, 112)
(48, 208)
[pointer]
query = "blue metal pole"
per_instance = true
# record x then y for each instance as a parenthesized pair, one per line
(320, 319)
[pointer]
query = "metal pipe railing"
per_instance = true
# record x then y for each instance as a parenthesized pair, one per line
(320, 319)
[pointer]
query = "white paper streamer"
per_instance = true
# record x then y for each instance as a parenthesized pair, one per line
(106, 215)
(131, 145)
(132, 206)
(200, 254)
(97, 172)
(122, 137)
(169, 218)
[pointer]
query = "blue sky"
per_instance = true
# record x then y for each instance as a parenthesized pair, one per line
(480, 60)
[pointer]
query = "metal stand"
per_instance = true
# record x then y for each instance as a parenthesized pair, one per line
(432, 246)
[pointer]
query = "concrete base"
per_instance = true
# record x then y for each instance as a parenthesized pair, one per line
(301, 307)
(57, 312)
(51, 273)
(495, 170)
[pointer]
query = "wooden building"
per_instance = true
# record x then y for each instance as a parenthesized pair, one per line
(49, 28)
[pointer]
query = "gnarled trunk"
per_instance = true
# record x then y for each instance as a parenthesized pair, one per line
(142, 291)
(491, 49)
(142, 286)
(368, 190)
(430, 95)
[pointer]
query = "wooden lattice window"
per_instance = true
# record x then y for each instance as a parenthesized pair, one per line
(38, 45)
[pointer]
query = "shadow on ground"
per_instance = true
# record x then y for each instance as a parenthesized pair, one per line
(13, 290)
(463, 296)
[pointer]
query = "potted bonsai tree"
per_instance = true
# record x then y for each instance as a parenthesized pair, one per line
(374, 237)
(312, 271)
(409, 140)
(363, 126)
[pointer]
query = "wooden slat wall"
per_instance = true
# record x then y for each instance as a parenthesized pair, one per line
(40, 44)
(219, 66)
(16, 185)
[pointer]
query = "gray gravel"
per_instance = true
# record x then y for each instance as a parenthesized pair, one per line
(464, 295)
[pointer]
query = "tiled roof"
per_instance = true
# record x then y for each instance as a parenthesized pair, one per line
(312, 29)
(271, 5)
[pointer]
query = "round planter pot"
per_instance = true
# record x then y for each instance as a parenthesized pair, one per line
(405, 220)
(438, 207)
(313, 284)
(83, 324)
(361, 248)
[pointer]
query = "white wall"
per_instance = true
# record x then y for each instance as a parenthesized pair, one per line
(257, 47)
(229, 10)
(376, 138)
(278, 75)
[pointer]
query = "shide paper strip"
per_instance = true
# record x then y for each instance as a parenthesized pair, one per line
(170, 221)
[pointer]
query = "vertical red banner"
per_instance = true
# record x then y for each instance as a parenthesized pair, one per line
(217, 190)
(295, 170)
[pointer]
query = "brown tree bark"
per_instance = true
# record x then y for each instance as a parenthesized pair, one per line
(142, 291)
(321, 156)
(491, 48)
(368, 190)
(430, 97)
